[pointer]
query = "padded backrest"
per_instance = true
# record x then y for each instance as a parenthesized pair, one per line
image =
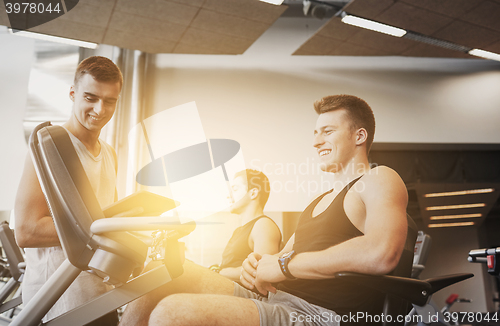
(68, 192)
(12, 251)
(395, 306)
(406, 261)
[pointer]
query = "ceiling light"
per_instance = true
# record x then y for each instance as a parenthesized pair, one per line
(56, 39)
(273, 2)
(374, 26)
(485, 54)
(461, 192)
(451, 217)
(436, 208)
(445, 225)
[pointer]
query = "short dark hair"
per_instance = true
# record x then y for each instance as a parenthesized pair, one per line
(358, 111)
(101, 69)
(256, 179)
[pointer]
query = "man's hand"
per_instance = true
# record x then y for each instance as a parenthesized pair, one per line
(249, 270)
(232, 273)
(268, 272)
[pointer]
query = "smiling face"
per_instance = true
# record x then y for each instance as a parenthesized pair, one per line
(94, 102)
(334, 140)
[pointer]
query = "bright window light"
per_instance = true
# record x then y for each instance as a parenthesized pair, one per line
(461, 192)
(374, 26)
(452, 217)
(437, 208)
(447, 225)
(273, 2)
(485, 54)
(56, 39)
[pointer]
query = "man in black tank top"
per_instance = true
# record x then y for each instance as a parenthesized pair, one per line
(358, 227)
(258, 233)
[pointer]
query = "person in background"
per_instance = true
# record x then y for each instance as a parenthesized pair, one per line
(95, 92)
(258, 233)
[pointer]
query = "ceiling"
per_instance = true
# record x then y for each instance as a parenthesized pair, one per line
(471, 23)
(232, 26)
(166, 26)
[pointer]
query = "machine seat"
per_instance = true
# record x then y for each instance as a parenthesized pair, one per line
(411, 290)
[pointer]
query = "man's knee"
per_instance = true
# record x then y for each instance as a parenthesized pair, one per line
(176, 309)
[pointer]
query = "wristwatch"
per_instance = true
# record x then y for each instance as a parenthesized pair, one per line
(283, 262)
(215, 268)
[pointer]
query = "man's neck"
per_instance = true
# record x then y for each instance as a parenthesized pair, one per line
(87, 137)
(251, 213)
(351, 171)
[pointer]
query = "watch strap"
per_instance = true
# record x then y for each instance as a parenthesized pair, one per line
(283, 262)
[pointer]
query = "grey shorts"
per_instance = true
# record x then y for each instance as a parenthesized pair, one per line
(285, 309)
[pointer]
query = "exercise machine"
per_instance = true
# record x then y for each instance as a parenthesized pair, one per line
(91, 242)
(400, 290)
(490, 257)
(10, 294)
(417, 314)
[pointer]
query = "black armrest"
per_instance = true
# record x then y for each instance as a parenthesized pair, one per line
(412, 290)
(441, 282)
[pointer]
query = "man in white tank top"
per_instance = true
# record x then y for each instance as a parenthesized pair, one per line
(97, 85)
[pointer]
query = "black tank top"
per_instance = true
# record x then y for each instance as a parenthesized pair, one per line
(328, 229)
(237, 249)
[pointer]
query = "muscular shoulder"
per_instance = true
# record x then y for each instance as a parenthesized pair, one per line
(265, 225)
(265, 237)
(382, 176)
(382, 181)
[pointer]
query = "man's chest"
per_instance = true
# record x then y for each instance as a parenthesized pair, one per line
(352, 204)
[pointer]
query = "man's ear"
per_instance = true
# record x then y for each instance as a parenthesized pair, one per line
(361, 136)
(254, 192)
(72, 91)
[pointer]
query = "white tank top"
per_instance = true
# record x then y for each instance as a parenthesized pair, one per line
(100, 169)
(42, 262)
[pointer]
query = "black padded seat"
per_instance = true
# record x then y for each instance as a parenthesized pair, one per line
(401, 291)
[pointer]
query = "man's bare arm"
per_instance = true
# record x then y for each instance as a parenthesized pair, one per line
(232, 273)
(265, 238)
(376, 252)
(34, 225)
(249, 268)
